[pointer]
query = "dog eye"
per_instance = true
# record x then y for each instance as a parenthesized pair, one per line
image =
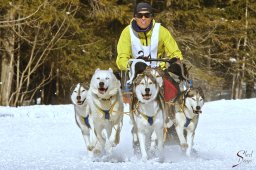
(158, 76)
(97, 78)
(107, 78)
(193, 99)
(83, 90)
(75, 91)
(142, 83)
(150, 83)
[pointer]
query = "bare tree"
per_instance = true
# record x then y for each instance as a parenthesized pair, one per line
(35, 39)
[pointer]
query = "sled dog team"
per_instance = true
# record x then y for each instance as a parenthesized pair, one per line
(99, 113)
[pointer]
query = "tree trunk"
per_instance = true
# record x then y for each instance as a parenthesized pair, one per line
(240, 95)
(6, 79)
(236, 74)
(7, 61)
(233, 86)
(238, 84)
(249, 89)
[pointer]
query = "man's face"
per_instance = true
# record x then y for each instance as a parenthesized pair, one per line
(143, 19)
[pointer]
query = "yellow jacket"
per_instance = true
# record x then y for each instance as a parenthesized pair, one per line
(166, 44)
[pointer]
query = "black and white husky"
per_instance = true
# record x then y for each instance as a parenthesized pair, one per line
(147, 112)
(82, 115)
(187, 110)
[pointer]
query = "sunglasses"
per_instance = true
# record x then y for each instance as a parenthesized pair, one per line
(146, 15)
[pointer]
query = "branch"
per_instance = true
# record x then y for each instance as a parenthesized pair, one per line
(20, 19)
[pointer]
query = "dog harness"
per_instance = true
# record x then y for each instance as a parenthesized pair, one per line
(182, 108)
(188, 120)
(86, 121)
(149, 50)
(106, 113)
(150, 119)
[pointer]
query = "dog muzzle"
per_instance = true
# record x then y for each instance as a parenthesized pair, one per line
(102, 90)
(146, 96)
(80, 102)
(197, 110)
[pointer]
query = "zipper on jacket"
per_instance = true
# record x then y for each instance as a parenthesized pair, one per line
(146, 38)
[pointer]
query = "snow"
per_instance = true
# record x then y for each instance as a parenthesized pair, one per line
(46, 137)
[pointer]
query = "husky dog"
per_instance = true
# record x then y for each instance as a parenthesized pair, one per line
(158, 74)
(106, 104)
(82, 115)
(187, 110)
(148, 112)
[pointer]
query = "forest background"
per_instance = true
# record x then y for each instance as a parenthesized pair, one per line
(48, 46)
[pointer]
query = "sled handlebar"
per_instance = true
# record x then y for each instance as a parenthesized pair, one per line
(171, 61)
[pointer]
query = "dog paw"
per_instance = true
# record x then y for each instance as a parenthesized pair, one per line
(90, 147)
(184, 146)
(96, 152)
(108, 147)
(114, 144)
(144, 158)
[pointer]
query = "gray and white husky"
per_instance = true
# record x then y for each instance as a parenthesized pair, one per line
(187, 110)
(147, 113)
(82, 115)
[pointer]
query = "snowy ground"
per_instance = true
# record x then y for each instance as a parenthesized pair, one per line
(46, 137)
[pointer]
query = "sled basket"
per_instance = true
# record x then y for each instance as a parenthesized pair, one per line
(170, 90)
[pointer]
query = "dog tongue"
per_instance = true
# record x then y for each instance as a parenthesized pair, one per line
(146, 96)
(102, 90)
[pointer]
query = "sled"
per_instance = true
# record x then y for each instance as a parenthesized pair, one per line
(169, 85)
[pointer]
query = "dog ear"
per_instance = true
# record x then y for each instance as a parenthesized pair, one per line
(72, 88)
(200, 90)
(97, 70)
(85, 85)
(110, 69)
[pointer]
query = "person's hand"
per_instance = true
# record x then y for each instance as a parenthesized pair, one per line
(175, 69)
(173, 60)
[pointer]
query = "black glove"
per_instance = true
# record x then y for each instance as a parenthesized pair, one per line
(118, 75)
(176, 69)
(139, 68)
(172, 61)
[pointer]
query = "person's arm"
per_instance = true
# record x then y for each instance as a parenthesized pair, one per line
(171, 48)
(124, 49)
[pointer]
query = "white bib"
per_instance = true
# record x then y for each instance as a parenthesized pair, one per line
(151, 50)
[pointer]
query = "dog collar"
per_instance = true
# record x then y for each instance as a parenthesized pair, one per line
(106, 99)
(102, 98)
